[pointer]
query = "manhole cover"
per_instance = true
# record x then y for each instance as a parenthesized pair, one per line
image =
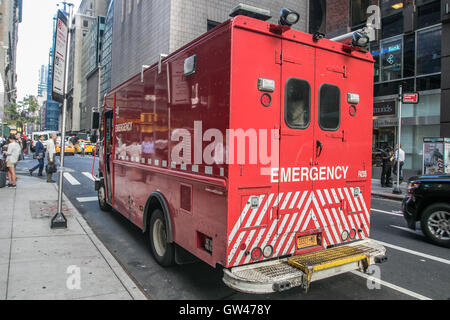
(47, 209)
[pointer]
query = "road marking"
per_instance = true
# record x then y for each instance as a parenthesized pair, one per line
(417, 232)
(89, 175)
(387, 212)
(87, 199)
(420, 254)
(390, 285)
(71, 179)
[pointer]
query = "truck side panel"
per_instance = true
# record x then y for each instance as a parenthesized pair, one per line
(169, 104)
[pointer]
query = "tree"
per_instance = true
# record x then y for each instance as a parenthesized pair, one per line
(22, 112)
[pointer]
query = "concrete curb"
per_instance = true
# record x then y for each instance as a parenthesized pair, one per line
(388, 196)
(121, 274)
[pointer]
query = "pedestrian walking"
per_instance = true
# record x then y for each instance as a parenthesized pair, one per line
(51, 153)
(386, 156)
(83, 147)
(39, 155)
(12, 157)
(399, 155)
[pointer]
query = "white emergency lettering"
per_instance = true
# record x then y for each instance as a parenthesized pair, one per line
(301, 174)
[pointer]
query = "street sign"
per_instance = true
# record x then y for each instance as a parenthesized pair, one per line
(59, 57)
(411, 98)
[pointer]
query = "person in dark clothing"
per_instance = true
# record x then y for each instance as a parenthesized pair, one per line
(386, 156)
(40, 155)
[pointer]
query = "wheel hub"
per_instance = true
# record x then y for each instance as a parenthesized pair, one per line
(439, 224)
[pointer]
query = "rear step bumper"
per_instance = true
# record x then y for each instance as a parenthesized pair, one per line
(300, 271)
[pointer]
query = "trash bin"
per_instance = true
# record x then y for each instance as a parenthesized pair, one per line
(2, 179)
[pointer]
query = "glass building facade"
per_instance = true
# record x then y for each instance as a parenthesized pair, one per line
(410, 58)
(106, 59)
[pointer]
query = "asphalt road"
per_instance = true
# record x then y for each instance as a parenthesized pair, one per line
(416, 269)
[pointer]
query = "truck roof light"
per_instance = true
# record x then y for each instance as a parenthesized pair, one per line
(288, 17)
(250, 11)
(360, 39)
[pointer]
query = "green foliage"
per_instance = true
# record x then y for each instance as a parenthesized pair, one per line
(22, 112)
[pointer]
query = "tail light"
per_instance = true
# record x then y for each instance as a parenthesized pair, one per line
(256, 254)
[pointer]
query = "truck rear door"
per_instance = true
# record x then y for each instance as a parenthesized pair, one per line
(341, 135)
(296, 144)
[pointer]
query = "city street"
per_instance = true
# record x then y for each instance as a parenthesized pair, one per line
(416, 269)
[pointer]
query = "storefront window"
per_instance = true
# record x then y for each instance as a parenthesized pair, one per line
(391, 59)
(429, 51)
(429, 105)
(412, 144)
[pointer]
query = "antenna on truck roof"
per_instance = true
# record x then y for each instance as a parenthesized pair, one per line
(250, 11)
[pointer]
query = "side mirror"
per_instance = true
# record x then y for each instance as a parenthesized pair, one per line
(95, 120)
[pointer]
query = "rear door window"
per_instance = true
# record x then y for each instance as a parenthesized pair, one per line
(298, 103)
(329, 107)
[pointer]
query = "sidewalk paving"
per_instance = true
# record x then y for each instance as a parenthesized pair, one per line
(37, 262)
(387, 193)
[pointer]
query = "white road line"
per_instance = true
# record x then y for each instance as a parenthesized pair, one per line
(387, 212)
(87, 199)
(71, 179)
(392, 286)
(419, 233)
(89, 175)
(420, 254)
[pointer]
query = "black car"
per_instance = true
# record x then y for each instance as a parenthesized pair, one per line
(428, 201)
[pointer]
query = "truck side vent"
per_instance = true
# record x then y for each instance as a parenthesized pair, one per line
(186, 198)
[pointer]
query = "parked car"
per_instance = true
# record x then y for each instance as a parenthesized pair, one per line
(428, 201)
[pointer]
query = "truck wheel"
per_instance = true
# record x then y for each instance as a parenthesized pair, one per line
(435, 223)
(104, 206)
(163, 251)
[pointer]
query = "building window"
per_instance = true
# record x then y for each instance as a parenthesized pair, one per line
(429, 51)
(85, 23)
(298, 100)
(358, 12)
(409, 55)
(212, 24)
(392, 25)
(375, 50)
(428, 14)
(329, 107)
(391, 59)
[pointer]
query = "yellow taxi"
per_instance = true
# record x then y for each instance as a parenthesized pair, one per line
(88, 147)
(69, 149)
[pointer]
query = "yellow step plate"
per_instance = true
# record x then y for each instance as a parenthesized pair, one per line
(327, 259)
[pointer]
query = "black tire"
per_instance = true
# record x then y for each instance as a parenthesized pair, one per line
(163, 251)
(435, 215)
(104, 206)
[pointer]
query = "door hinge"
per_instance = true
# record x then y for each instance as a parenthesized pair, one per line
(278, 57)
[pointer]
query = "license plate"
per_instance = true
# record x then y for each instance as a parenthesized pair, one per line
(306, 241)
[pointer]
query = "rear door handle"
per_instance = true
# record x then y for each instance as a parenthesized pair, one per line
(319, 148)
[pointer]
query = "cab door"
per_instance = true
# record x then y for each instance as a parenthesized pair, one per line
(296, 143)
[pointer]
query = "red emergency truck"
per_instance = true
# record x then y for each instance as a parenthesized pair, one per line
(247, 86)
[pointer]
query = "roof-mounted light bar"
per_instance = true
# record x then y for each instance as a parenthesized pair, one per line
(250, 11)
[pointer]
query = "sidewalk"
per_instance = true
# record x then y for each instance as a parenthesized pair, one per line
(378, 191)
(37, 262)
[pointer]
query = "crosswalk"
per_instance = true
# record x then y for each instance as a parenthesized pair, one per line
(70, 178)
